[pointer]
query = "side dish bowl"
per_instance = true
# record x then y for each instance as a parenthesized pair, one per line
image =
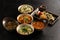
(25, 29)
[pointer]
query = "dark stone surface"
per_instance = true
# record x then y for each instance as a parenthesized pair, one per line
(9, 8)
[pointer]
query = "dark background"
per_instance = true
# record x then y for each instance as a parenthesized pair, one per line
(9, 8)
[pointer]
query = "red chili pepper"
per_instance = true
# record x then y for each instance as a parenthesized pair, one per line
(40, 13)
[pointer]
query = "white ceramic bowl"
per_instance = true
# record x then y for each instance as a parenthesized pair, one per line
(19, 27)
(24, 14)
(22, 6)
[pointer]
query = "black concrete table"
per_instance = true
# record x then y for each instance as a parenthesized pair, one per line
(9, 8)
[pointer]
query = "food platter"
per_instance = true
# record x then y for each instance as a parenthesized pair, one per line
(54, 19)
(29, 21)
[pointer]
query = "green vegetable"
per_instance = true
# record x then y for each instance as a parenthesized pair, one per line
(26, 19)
(24, 30)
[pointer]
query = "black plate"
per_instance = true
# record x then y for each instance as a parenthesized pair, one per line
(49, 23)
(56, 18)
